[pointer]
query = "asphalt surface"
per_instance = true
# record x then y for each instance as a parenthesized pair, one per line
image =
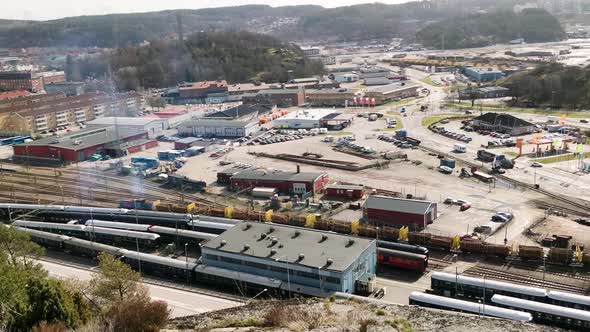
(181, 303)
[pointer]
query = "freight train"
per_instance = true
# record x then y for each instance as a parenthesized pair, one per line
(196, 217)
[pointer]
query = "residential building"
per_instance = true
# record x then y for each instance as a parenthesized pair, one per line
(304, 260)
(30, 99)
(278, 97)
(503, 123)
(398, 212)
(79, 146)
(20, 80)
(482, 74)
(50, 77)
(68, 88)
(14, 94)
(387, 93)
(311, 51)
(300, 183)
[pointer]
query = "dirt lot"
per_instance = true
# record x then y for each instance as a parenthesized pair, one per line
(563, 226)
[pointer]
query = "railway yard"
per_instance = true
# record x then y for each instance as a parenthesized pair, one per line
(521, 227)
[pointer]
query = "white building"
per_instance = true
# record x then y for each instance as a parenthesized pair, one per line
(153, 127)
(218, 128)
(344, 77)
(303, 119)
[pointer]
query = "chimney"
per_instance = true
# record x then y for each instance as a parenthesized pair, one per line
(298, 169)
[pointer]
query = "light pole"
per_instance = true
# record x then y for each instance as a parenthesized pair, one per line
(255, 296)
(186, 260)
(136, 239)
(320, 278)
(288, 278)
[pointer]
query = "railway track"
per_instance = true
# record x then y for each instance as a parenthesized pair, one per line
(516, 183)
(526, 280)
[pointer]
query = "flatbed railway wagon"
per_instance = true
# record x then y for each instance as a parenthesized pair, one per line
(402, 260)
(452, 285)
(549, 314)
(445, 303)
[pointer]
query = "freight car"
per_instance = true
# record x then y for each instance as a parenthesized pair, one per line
(560, 256)
(452, 285)
(444, 303)
(488, 249)
(402, 260)
(530, 253)
(572, 319)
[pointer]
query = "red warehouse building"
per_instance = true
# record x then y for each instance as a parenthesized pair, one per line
(285, 182)
(81, 145)
(397, 212)
(345, 190)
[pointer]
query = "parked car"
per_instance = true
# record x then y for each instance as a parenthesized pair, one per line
(536, 165)
(465, 207)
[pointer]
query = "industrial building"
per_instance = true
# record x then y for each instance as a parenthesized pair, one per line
(387, 93)
(207, 92)
(337, 121)
(485, 92)
(348, 191)
(330, 97)
(301, 258)
(397, 212)
(218, 128)
(81, 145)
(276, 97)
(344, 77)
(302, 119)
(20, 80)
(241, 112)
(482, 74)
(153, 127)
(300, 183)
(503, 123)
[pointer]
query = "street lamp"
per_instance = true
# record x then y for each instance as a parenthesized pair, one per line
(255, 296)
(320, 278)
(136, 239)
(288, 278)
(186, 260)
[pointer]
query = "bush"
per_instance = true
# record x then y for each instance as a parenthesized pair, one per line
(380, 312)
(332, 298)
(138, 314)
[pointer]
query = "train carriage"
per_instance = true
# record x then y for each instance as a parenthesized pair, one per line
(547, 313)
(208, 227)
(569, 300)
(452, 285)
(402, 260)
(445, 303)
(164, 267)
(45, 239)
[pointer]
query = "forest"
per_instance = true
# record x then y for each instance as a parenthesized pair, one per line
(553, 85)
(534, 25)
(233, 56)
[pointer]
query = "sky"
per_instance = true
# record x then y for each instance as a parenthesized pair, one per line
(52, 9)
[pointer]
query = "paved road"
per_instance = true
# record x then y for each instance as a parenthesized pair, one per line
(181, 303)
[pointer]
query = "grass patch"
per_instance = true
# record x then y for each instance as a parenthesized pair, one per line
(340, 133)
(501, 108)
(398, 125)
(428, 80)
(360, 86)
(511, 154)
(400, 102)
(246, 322)
(556, 159)
(400, 324)
(428, 120)
(380, 312)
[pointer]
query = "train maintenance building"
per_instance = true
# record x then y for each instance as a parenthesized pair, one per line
(305, 260)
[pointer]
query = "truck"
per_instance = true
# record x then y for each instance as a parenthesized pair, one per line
(485, 156)
(498, 161)
(412, 141)
(373, 117)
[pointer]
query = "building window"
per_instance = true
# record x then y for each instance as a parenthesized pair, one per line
(332, 280)
(230, 260)
(256, 265)
(212, 257)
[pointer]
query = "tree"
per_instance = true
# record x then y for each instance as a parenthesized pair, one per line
(115, 282)
(50, 301)
(13, 295)
(156, 102)
(18, 248)
(138, 314)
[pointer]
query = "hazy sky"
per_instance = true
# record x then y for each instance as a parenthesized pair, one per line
(50, 9)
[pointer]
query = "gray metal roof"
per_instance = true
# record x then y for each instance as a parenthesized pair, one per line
(345, 186)
(404, 205)
(290, 244)
(88, 138)
(267, 175)
(217, 123)
(122, 121)
(392, 88)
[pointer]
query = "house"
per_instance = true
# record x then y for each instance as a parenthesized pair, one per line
(300, 183)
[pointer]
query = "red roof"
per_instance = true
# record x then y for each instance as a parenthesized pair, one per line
(14, 94)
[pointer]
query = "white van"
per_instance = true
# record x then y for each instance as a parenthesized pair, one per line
(461, 148)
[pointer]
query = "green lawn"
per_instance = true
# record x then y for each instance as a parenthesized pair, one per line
(398, 125)
(428, 120)
(360, 86)
(511, 154)
(400, 102)
(428, 80)
(340, 133)
(556, 159)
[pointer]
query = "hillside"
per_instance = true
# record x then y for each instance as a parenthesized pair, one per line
(326, 316)
(553, 85)
(233, 56)
(359, 22)
(534, 25)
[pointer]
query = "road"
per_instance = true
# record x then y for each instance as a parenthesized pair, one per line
(181, 303)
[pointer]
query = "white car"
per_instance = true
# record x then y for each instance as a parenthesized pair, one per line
(536, 164)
